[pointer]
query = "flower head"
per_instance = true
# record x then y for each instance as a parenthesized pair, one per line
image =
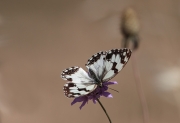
(94, 95)
(130, 28)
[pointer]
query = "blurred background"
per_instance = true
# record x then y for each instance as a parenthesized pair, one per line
(39, 39)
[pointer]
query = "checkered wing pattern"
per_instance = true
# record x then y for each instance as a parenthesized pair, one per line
(102, 67)
(108, 64)
(79, 82)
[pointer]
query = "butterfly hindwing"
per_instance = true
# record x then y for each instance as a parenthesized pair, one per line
(73, 90)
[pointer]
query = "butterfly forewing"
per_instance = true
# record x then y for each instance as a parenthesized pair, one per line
(76, 75)
(107, 64)
(115, 60)
(97, 63)
(80, 83)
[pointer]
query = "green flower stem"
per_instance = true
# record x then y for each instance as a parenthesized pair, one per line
(104, 110)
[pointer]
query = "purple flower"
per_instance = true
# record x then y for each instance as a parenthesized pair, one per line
(94, 95)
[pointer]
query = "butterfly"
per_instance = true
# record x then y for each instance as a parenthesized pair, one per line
(102, 67)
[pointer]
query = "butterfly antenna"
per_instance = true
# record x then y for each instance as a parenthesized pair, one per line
(113, 89)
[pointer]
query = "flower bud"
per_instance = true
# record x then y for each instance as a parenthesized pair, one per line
(130, 27)
(130, 23)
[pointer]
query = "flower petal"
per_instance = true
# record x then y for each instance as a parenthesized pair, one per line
(74, 101)
(104, 88)
(110, 83)
(107, 94)
(84, 102)
(94, 101)
(78, 99)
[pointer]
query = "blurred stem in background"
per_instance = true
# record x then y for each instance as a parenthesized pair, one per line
(130, 31)
(176, 93)
(140, 89)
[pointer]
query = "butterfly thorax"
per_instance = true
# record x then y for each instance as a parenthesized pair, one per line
(95, 78)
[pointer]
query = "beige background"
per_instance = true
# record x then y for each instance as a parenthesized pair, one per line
(38, 39)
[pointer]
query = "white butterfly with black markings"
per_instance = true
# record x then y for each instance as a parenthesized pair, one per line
(102, 67)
